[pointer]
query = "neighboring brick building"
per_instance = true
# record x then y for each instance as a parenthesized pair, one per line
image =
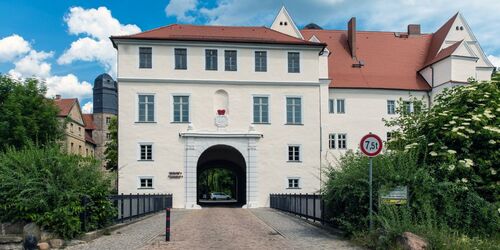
(78, 131)
(87, 134)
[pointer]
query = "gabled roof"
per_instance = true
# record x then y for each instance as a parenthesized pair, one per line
(235, 34)
(444, 53)
(88, 119)
(390, 62)
(65, 105)
(438, 39)
(88, 137)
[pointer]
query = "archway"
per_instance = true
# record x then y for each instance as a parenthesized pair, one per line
(221, 170)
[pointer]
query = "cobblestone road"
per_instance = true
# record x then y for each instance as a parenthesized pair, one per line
(221, 228)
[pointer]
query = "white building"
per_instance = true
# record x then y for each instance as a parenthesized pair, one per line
(272, 104)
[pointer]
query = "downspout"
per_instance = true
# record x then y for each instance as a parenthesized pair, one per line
(432, 84)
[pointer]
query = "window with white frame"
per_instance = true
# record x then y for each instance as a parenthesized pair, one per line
(146, 108)
(180, 58)
(340, 106)
(342, 141)
(294, 110)
(108, 120)
(293, 183)
(261, 109)
(293, 153)
(230, 60)
(146, 152)
(331, 106)
(389, 136)
(145, 57)
(260, 61)
(211, 59)
(408, 106)
(331, 141)
(146, 182)
(391, 107)
(181, 108)
(293, 62)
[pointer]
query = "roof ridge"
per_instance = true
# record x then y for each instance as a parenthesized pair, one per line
(275, 31)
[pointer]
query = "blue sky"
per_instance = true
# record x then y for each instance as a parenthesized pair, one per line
(65, 42)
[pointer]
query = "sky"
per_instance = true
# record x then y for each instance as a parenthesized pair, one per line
(66, 43)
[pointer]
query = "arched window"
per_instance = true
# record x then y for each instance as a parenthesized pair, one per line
(221, 101)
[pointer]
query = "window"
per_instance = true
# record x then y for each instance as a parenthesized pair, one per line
(293, 62)
(331, 141)
(79, 131)
(79, 149)
(293, 153)
(340, 106)
(180, 58)
(331, 106)
(260, 109)
(408, 106)
(230, 60)
(146, 153)
(260, 61)
(389, 136)
(293, 110)
(146, 108)
(391, 107)
(71, 127)
(72, 145)
(145, 58)
(108, 120)
(86, 152)
(342, 141)
(146, 182)
(293, 183)
(211, 59)
(108, 136)
(181, 109)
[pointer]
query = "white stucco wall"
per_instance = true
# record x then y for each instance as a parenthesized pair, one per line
(364, 111)
(169, 149)
(163, 63)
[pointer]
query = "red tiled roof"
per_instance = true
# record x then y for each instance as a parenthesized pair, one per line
(88, 119)
(444, 53)
(88, 137)
(390, 62)
(183, 32)
(438, 39)
(65, 105)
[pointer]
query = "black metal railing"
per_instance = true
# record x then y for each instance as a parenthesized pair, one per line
(310, 206)
(131, 206)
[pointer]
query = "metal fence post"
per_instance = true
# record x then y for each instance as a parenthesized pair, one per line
(130, 206)
(307, 205)
(167, 225)
(322, 202)
(314, 207)
(121, 208)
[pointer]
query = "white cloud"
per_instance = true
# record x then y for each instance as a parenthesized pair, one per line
(68, 86)
(32, 65)
(88, 108)
(495, 60)
(182, 9)
(98, 25)
(12, 47)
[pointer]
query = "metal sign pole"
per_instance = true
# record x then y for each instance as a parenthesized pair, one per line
(371, 198)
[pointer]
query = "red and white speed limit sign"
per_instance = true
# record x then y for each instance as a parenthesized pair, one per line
(371, 145)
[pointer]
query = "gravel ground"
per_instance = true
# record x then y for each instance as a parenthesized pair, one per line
(133, 236)
(300, 234)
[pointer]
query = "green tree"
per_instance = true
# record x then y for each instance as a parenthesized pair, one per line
(26, 116)
(111, 152)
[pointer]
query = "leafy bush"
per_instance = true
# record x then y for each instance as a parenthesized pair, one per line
(46, 186)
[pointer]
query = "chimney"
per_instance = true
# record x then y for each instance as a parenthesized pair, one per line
(413, 29)
(351, 36)
(58, 97)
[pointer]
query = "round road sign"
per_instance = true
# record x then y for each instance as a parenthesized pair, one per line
(371, 145)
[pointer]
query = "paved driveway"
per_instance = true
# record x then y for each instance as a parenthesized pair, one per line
(222, 228)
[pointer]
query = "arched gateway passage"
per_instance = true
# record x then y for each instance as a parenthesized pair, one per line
(221, 169)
